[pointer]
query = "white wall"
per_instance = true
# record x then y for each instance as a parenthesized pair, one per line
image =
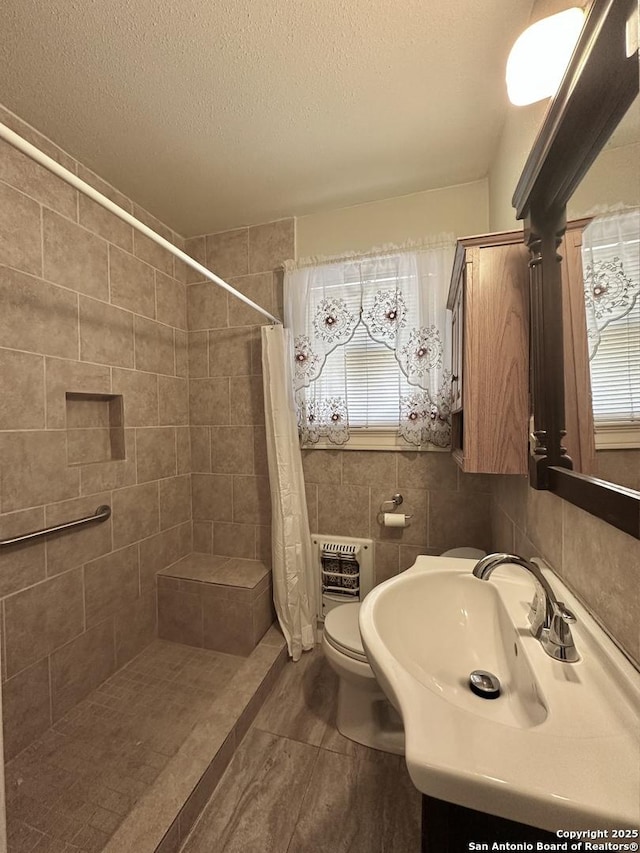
(462, 209)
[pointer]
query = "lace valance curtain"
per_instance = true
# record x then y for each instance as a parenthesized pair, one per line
(611, 268)
(375, 327)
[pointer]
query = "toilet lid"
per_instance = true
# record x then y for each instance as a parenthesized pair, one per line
(341, 629)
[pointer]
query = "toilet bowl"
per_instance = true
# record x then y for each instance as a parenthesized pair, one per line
(364, 714)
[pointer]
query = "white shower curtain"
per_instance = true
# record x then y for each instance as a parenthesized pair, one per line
(294, 590)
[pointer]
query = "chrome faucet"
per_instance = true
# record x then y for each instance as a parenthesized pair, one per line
(549, 618)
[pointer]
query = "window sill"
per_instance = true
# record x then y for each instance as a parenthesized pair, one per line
(617, 436)
(375, 439)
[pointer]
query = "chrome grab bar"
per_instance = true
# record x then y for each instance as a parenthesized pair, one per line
(101, 514)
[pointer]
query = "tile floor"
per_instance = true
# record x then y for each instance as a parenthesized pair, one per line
(69, 791)
(295, 785)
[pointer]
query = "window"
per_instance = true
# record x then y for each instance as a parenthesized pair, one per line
(372, 351)
(611, 264)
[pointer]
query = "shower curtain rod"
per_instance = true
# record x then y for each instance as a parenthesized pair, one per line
(31, 151)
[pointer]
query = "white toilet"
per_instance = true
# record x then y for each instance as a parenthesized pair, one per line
(365, 715)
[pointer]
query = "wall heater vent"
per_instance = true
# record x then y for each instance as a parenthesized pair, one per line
(345, 569)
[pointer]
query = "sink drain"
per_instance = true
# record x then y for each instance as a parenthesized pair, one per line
(484, 684)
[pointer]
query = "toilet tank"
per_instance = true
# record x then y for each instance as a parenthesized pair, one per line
(344, 570)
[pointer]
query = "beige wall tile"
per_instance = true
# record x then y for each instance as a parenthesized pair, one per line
(34, 470)
(135, 627)
(175, 501)
(259, 288)
(227, 624)
(21, 565)
(386, 561)
(209, 401)
(106, 333)
(153, 222)
(80, 666)
(110, 583)
(620, 466)
(228, 253)
(21, 390)
(183, 450)
(45, 145)
(410, 553)
(154, 347)
(457, 520)
(370, 468)
(256, 353)
(260, 460)
(181, 345)
(323, 466)
(94, 217)
(140, 392)
(42, 618)
(212, 497)
(198, 349)
(511, 494)
(88, 445)
(544, 524)
(173, 393)
(136, 513)
(74, 257)
(155, 453)
(271, 244)
(246, 400)
(156, 553)
(26, 708)
(311, 491)
(64, 376)
(343, 510)
(74, 547)
(263, 544)
(200, 449)
(102, 476)
(415, 503)
(103, 187)
(197, 248)
(171, 299)
(478, 483)
(230, 352)
(180, 617)
(601, 565)
(28, 305)
(206, 306)
(87, 411)
(24, 174)
(232, 450)
(234, 540)
(251, 500)
(203, 537)
(502, 531)
(149, 251)
(132, 283)
(431, 470)
(20, 240)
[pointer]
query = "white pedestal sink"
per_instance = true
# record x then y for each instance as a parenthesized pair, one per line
(558, 749)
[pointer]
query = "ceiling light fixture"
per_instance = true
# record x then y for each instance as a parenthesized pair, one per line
(540, 56)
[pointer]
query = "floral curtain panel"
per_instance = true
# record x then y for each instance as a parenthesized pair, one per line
(346, 318)
(611, 267)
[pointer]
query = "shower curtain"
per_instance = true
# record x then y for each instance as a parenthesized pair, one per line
(294, 589)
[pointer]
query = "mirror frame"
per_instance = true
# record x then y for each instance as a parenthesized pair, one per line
(599, 86)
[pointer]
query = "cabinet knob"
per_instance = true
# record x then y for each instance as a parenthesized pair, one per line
(454, 378)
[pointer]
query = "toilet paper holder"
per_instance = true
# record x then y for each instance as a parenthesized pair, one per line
(390, 506)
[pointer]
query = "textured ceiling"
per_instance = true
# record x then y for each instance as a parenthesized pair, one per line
(219, 113)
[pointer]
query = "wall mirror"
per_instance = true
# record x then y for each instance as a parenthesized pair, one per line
(595, 98)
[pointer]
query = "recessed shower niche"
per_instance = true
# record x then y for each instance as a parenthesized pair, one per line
(95, 427)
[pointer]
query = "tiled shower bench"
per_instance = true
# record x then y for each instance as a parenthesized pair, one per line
(220, 603)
